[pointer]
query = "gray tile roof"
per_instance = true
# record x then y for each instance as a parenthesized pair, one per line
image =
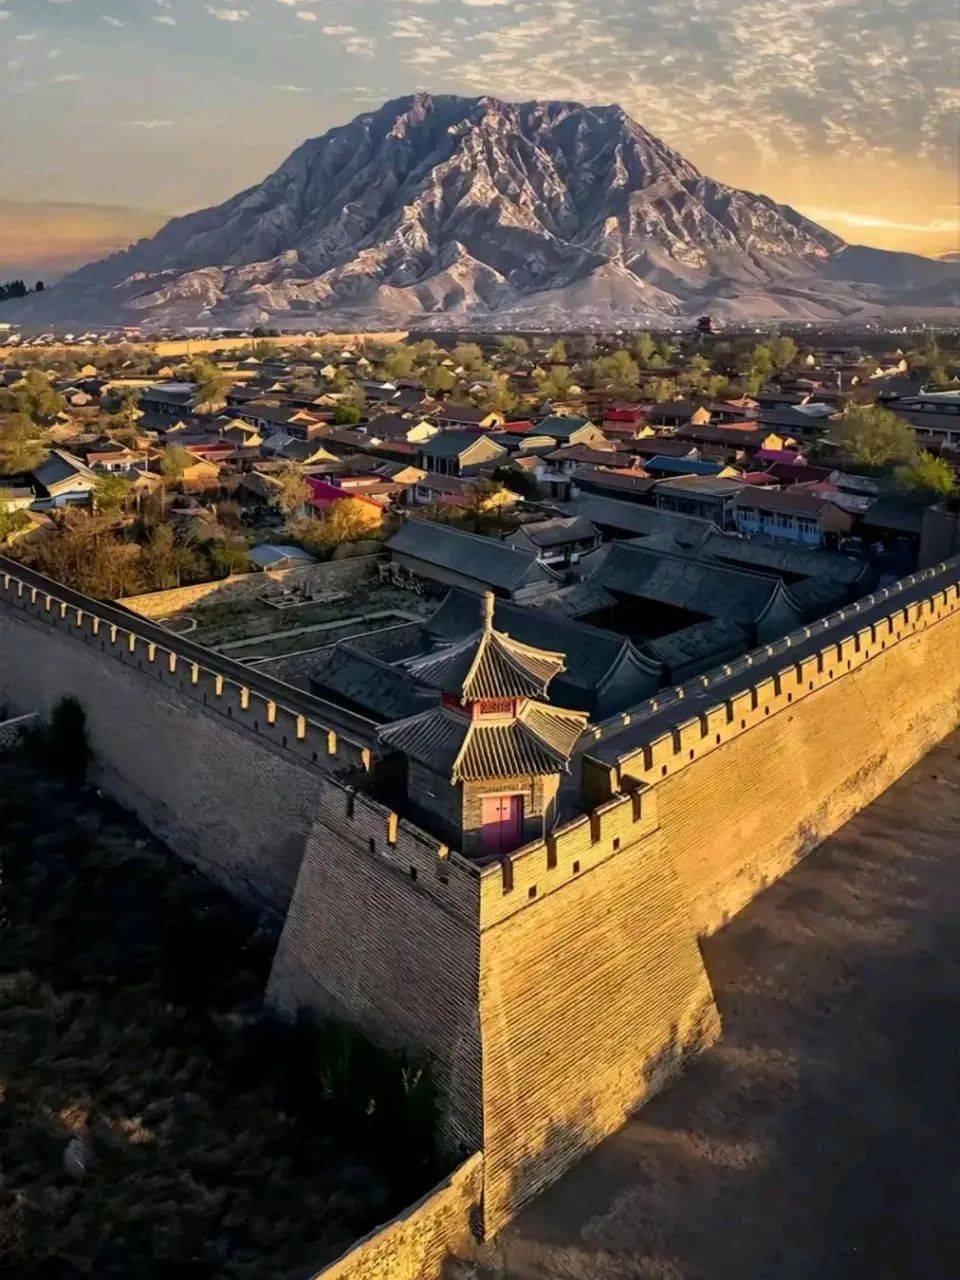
(482, 559)
(714, 590)
(489, 664)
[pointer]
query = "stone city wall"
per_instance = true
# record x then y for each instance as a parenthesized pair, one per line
(224, 766)
(417, 1243)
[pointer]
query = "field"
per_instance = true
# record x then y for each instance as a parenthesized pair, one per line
(152, 1122)
(817, 1140)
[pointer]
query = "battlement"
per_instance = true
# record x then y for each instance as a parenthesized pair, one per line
(377, 831)
(673, 730)
(280, 716)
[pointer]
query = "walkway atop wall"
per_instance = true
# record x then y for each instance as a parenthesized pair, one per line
(818, 1137)
(666, 711)
(355, 727)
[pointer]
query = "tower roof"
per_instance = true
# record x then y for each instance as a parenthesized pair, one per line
(489, 664)
(539, 740)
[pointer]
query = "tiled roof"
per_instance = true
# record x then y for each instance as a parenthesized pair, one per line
(539, 741)
(482, 559)
(489, 664)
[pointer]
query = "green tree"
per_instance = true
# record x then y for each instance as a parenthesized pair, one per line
(399, 363)
(34, 397)
(618, 371)
(21, 448)
(210, 381)
(874, 437)
(111, 493)
(439, 379)
(264, 349)
(926, 476)
(644, 347)
(556, 384)
(175, 462)
(783, 353)
(513, 345)
(469, 355)
(165, 562)
(347, 415)
(556, 353)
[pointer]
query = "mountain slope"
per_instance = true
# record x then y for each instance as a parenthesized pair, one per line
(438, 205)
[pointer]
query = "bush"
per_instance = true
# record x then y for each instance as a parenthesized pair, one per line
(61, 746)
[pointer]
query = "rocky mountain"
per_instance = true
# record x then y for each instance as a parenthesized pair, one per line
(481, 211)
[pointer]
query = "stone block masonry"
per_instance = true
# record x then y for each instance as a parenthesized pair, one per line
(555, 989)
(224, 765)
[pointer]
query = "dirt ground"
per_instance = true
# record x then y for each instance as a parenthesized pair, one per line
(819, 1138)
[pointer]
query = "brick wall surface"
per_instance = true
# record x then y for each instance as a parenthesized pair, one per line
(415, 1245)
(382, 932)
(592, 995)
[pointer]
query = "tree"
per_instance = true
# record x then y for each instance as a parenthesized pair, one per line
(39, 287)
(556, 353)
(347, 415)
(20, 446)
(33, 396)
(618, 371)
(927, 477)
(348, 520)
(783, 352)
(873, 437)
(438, 379)
(111, 493)
(175, 462)
(292, 490)
(469, 355)
(399, 363)
(556, 384)
(209, 380)
(499, 397)
(512, 345)
(11, 522)
(263, 349)
(643, 348)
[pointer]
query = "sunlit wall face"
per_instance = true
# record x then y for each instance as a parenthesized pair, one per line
(846, 109)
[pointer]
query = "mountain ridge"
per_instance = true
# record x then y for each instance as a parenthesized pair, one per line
(476, 208)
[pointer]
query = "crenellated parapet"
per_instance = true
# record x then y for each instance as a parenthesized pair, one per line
(280, 716)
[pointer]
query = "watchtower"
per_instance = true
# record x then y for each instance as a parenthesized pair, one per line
(484, 766)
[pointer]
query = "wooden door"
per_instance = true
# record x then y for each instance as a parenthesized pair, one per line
(502, 823)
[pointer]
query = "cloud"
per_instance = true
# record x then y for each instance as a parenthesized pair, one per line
(149, 124)
(165, 19)
(229, 15)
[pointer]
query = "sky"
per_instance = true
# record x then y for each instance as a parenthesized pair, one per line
(115, 114)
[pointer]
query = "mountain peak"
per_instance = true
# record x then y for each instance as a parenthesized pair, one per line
(439, 203)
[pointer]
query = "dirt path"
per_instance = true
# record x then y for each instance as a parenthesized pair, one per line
(820, 1138)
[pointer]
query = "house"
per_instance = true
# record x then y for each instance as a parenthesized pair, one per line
(793, 515)
(200, 474)
(457, 453)
(459, 416)
(15, 499)
(661, 593)
(678, 413)
(391, 428)
(934, 416)
(270, 558)
(169, 398)
(662, 466)
(569, 430)
(443, 554)
(272, 419)
(63, 480)
(707, 497)
(561, 541)
(116, 461)
(324, 494)
(457, 491)
(628, 483)
(485, 763)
